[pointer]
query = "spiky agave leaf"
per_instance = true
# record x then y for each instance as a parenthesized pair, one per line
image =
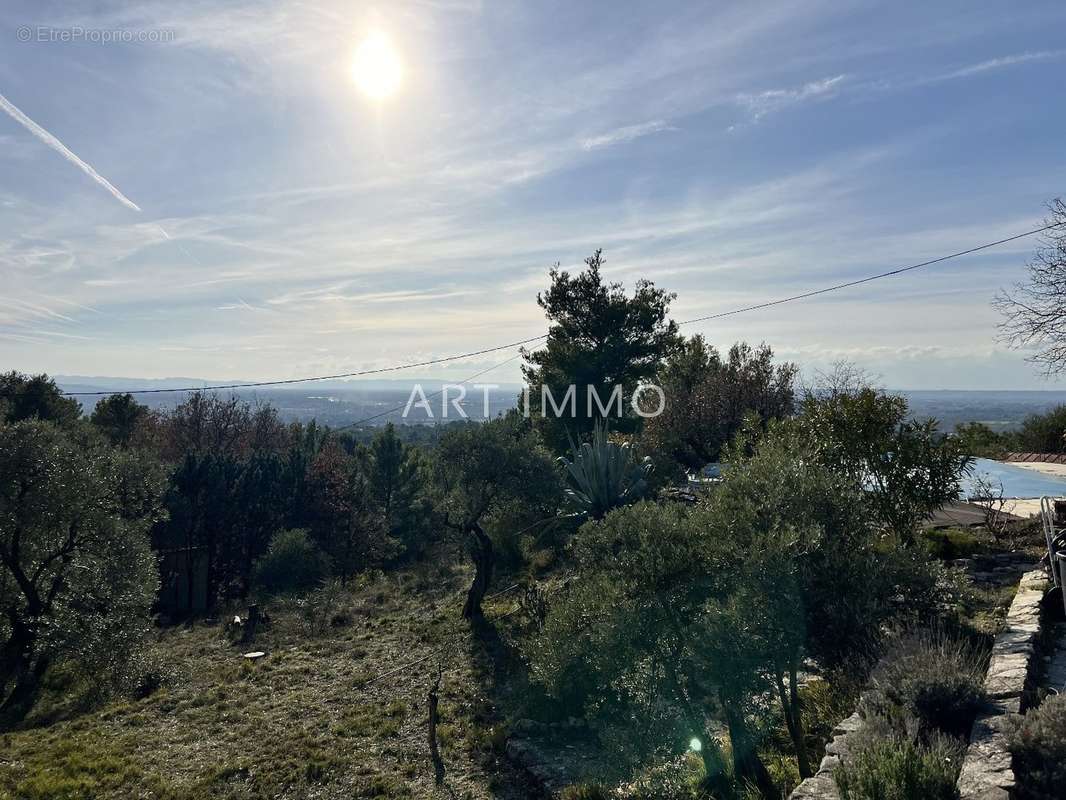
(604, 475)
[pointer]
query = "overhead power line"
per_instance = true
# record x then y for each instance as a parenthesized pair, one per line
(530, 340)
(290, 381)
(869, 278)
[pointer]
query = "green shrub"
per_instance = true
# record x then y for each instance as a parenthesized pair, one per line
(147, 672)
(325, 608)
(585, 791)
(900, 769)
(678, 778)
(292, 564)
(927, 683)
(1038, 745)
(979, 440)
(825, 702)
(951, 543)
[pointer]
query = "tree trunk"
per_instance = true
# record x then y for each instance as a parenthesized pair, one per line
(797, 716)
(212, 570)
(190, 567)
(715, 780)
(9, 666)
(24, 694)
(247, 565)
(484, 560)
(747, 766)
(790, 710)
(16, 656)
(251, 624)
(714, 773)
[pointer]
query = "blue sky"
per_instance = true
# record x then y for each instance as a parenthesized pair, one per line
(732, 152)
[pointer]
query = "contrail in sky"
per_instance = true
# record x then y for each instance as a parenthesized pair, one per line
(62, 149)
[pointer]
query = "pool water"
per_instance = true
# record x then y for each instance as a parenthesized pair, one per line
(1017, 482)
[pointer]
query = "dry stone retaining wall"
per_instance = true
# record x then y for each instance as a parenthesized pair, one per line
(986, 771)
(821, 786)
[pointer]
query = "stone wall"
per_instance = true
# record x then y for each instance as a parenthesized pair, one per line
(821, 786)
(986, 771)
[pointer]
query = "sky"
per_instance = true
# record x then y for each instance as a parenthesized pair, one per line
(206, 189)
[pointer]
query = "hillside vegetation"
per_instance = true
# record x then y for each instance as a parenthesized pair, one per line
(559, 586)
(307, 720)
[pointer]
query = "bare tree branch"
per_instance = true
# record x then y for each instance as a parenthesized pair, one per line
(1034, 312)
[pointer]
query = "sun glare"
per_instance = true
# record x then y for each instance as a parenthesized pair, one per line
(376, 67)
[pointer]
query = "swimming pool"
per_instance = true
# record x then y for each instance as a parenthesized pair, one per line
(1017, 481)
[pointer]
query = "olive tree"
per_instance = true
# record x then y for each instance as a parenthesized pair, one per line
(682, 617)
(809, 582)
(479, 470)
(77, 576)
(649, 641)
(905, 467)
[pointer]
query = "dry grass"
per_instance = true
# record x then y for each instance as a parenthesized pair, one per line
(303, 722)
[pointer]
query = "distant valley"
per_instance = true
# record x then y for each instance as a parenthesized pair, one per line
(338, 403)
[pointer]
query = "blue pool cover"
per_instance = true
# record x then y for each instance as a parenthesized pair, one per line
(1017, 481)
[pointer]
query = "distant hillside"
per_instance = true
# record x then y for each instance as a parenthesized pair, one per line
(330, 402)
(1001, 410)
(344, 402)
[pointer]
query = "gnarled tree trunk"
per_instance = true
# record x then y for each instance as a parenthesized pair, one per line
(20, 668)
(484, 560)
(24, 693)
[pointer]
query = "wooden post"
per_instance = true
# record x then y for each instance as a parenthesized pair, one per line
(434, 751)
(251, 623)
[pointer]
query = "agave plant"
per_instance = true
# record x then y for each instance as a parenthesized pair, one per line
(603, 475)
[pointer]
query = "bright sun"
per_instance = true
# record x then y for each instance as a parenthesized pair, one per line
(377, 68)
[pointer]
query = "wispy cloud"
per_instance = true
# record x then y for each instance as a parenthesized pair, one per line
(762, 103)
(335, 294)
(1000, 63)
(64, 151)
(33, 309)
(242, 305)
(369, 236)
(626, 134)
